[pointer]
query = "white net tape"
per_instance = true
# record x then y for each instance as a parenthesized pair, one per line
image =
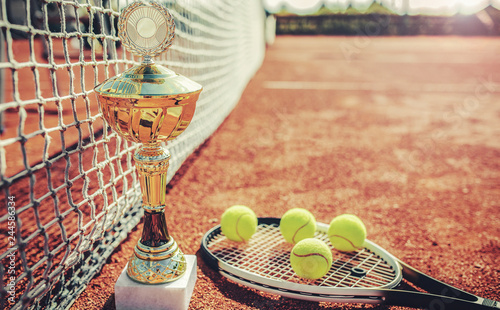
(69, 186)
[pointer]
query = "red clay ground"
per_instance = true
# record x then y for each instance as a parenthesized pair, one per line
(402, 131)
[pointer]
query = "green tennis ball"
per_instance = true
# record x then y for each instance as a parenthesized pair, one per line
(297, 224)
(311, 258)
(347, 232)
(238, 223)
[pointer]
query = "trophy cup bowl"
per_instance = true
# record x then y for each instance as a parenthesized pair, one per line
(150, 104)
(143, 106)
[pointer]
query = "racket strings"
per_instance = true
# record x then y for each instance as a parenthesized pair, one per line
(376, 271)
(267, 254)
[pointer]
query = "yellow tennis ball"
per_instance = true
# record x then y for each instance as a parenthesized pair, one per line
(311, 258)
(297, 224)
(347, 232)
(238, 223)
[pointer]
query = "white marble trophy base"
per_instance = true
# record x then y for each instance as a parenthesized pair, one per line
(132, 295)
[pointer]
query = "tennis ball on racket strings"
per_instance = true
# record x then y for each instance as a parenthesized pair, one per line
(297, 224)
(347, 232)
(238, 223)
(311, 258)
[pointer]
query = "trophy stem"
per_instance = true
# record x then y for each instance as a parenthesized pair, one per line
(147, 60)
(156, 258)
(154, 233)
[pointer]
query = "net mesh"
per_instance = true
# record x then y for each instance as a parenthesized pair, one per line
(68, 183)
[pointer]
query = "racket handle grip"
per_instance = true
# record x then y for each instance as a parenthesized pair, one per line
(490, 303)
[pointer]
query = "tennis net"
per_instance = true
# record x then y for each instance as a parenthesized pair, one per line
(68, 183)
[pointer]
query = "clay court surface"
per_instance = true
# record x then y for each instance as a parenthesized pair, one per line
(402, 131)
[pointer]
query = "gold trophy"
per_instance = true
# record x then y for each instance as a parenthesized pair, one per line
(149, 104)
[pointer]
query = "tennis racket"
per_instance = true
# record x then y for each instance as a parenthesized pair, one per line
(369, 275)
